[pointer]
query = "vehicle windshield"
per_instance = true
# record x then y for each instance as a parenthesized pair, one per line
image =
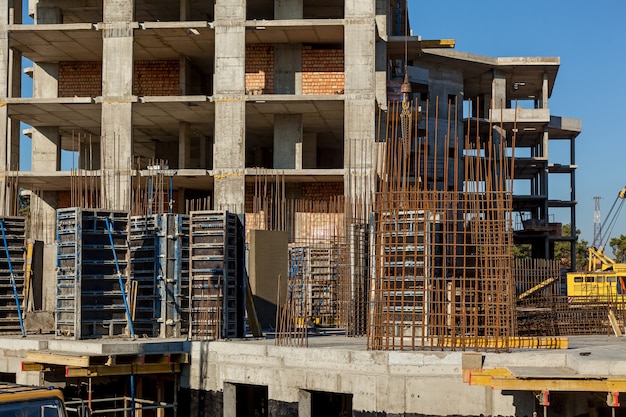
(44, 407)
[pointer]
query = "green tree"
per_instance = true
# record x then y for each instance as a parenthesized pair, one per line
(523, 251)
(618, 244)
(562, 250)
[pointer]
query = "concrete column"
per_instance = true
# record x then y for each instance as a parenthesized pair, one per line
(43, 208)
(10, 86)
(288, 9)
(230, 400)
(360, 97)
(499, 135)
(544, 92)
(185, 10)
(306, 151)
(203, 152)
(46, 15)
(46, 154)
(45, 80)
(498, 90)
(304, 403)
(184, 145)
(46, 141)
(46, 149)
(184, 76)
(381, 53)
(287, 69)
(117, 87)
(287, 133)
(229, 97)
(89, 153)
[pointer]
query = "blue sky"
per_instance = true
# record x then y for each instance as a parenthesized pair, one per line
(589, 37)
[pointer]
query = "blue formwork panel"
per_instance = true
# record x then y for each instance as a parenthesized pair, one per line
(142, 245)
(89, 300)
(216, 275)
(159, 251)
(11, 259)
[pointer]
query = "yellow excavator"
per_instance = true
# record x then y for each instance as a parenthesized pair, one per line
(604, 279)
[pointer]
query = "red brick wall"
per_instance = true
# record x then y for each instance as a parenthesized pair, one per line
(63, 199)
(151, 78)
(260, 69)
(80, 79)
(321, 191)
(313, 191)
(322, 71)
(156, 78)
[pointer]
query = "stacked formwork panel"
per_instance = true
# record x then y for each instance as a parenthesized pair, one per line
(216, 275)
(142, 244)
(410, 268)
(92, 258)
(172, 274)
(314, 283)
(159, 258)
(11, 273)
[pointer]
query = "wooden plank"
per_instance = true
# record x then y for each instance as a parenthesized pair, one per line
(614, 324)
(52, 358)
(507, 343)
(127, 369)
(503, 379)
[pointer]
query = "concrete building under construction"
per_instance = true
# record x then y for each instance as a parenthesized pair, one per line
(296, 170)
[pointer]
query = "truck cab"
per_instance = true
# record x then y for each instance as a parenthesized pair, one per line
(24, 401)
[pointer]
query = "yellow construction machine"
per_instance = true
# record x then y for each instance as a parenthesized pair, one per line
(604, 280)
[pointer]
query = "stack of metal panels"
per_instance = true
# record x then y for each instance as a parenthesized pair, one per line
(143, 256)
(159, 260)
(314, 282)
(172, 274)
(92, 257)
(216, 275)
(11, 260)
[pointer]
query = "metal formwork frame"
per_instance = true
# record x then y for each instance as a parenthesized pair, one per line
(92, 260)
(171, 266)
(215, 275)
(12, 274)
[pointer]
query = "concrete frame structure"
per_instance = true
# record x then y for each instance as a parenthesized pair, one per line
(219, 128)
(216, 127)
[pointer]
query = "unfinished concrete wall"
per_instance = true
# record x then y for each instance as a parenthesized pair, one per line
(398, 383)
